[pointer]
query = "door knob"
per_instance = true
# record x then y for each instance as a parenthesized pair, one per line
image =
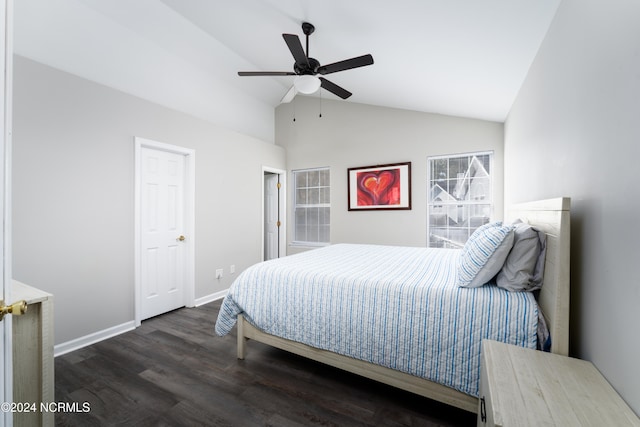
(181, 238)
(17, 308)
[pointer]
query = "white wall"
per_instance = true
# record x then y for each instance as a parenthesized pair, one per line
(147, 49)
(575, 131)
(352, 135)
(73, 206)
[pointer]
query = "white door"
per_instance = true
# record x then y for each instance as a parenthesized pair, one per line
(163, 235)
(271, 215)
(6, 55)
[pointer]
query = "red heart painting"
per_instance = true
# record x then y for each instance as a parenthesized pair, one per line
(380, 187)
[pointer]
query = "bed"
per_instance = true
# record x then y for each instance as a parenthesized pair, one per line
(377, 311)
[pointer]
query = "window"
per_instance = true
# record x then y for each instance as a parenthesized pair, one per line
(311, 206)
(460, 198)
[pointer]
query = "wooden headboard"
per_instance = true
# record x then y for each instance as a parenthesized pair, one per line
(552, 216)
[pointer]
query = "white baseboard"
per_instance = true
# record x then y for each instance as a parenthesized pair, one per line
(211, 298)
(78, 343)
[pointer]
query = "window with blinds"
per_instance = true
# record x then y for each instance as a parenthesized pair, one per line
(312, 208)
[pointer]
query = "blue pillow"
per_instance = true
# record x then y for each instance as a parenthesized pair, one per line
(484, 254)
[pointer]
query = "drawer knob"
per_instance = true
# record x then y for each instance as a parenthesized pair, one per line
(17, 308)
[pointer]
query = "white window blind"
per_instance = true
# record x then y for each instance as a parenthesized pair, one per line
(312, 208)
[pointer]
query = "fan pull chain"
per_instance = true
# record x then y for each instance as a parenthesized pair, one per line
(320, 115)
(294, 109)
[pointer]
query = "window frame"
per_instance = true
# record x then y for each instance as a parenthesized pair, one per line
(464, 205)
(298, 242)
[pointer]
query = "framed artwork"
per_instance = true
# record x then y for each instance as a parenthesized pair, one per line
(380, 187)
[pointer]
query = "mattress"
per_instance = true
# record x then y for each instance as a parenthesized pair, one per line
(398, 307)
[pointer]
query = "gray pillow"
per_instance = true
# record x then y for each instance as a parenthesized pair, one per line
(523, 269)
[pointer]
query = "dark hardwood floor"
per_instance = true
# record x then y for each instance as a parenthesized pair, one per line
(174, 371)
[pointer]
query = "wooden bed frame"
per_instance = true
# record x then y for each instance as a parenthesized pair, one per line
(551, 216)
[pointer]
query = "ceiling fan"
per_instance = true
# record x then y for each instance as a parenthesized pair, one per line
(306, 68)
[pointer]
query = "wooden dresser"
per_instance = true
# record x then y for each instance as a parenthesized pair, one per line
(33, 364)
(522, 387)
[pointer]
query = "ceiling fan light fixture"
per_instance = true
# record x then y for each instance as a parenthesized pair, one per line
(307, 84)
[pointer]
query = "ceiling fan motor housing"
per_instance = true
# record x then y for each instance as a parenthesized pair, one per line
(311, 68)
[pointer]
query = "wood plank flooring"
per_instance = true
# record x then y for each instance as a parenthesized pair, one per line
(174, 371)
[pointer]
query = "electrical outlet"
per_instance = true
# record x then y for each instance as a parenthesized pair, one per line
(232, 269)
(219, 273)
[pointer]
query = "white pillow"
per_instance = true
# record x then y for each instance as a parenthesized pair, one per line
(484, 254)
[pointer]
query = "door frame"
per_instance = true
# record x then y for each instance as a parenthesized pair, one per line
(282, 210)
(189, 218)
(6, 87)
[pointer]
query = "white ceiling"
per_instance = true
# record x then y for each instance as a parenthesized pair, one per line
(458, 57)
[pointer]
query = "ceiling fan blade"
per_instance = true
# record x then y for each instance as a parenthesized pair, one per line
(293, 42)
(288, 97)
(347, 64)
(334, 88)
(266, 73)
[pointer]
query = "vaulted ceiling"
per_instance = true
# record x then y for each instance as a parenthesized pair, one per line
(458, 57)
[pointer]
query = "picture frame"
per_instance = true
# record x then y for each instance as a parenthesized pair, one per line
(380, 187)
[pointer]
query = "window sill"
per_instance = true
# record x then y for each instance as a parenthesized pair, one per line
(309, 245)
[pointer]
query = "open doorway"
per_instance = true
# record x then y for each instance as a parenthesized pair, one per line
(273, 213)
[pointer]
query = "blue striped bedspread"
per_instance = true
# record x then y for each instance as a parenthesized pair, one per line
(397, 307)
